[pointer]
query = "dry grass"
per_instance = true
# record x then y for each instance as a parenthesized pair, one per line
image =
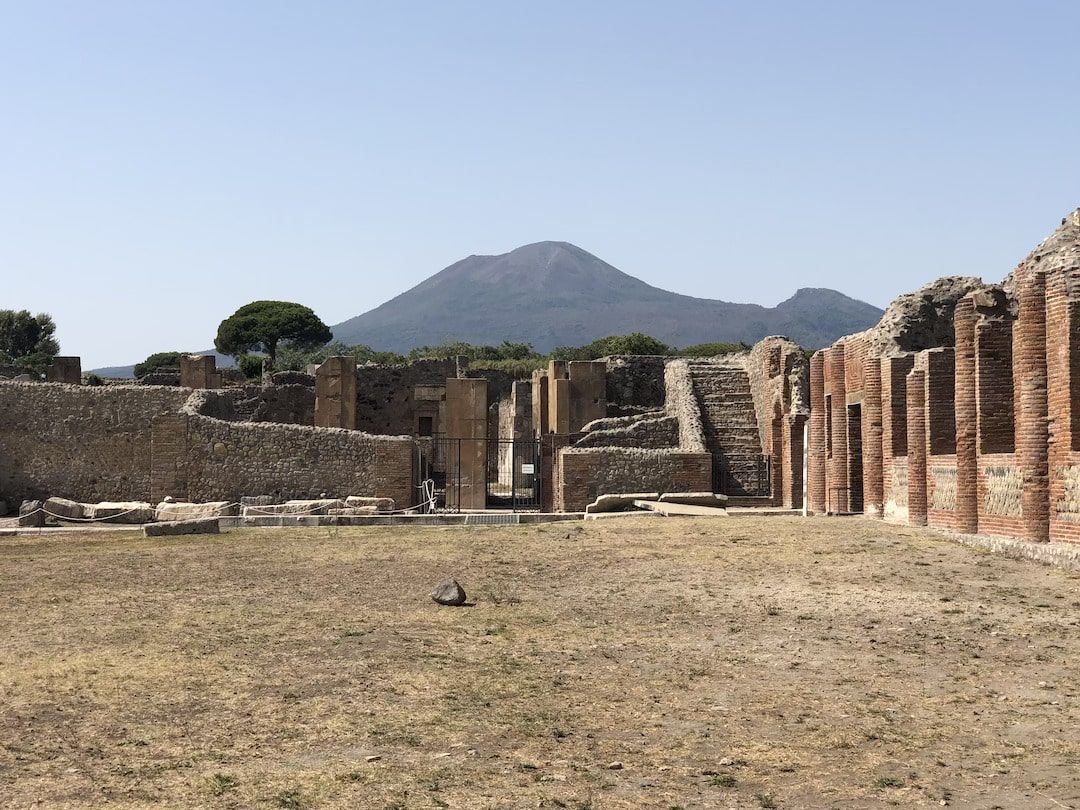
(739, 663)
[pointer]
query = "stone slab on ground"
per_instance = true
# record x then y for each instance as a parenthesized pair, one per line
(381, 504)
(66, 510)
(681, 509)
(619, 501)
(352, 511)
(122, 512)
(180, 510)
(172, 528)
(695, 498)
(312, 507)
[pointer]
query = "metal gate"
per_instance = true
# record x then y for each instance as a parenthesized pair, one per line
(471, 474)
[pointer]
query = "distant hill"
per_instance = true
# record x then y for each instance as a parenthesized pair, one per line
(556, 294)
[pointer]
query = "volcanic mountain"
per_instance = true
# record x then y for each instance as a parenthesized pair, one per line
(556, 294)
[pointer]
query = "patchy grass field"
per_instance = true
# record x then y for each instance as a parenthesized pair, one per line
(752, 662)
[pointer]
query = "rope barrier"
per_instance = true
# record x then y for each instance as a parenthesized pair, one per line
(427, 488)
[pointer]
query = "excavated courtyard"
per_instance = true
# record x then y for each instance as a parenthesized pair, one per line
(747, 662)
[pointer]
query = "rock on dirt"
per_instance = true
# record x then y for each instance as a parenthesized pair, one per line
(449, 592)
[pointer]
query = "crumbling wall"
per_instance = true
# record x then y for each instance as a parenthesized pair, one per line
(656, 432)
(634, 381)
(681, 403)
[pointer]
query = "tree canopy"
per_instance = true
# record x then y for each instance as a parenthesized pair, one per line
(27, 339)
(156, 361)
(262, 325)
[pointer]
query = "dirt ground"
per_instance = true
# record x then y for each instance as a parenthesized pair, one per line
(747, 662)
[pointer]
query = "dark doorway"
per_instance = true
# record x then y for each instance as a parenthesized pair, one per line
(854, 443)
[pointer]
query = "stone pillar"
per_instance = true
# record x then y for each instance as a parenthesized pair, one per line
(916, 447)
(1032, 428)
(815, 485)
(540, 406)
(467, 430)
(967, 427)
(838, 484)
(335, 393)
(588, 392)
(873, 458)
(559, 405)
(199, 371)
(65, 370)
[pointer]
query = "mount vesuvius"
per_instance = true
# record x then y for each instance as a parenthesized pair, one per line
(556, 294)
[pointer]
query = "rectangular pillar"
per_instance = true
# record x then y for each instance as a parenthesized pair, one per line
(838, 483)
(66, 370)
(588, 392)
(335, 393)
(199, 371)
(466, 430)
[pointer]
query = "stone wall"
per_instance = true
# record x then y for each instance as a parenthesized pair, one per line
(199, 458)
(655, 433)
(585, 473)
(635, 381)
(125, 442)
(84, 443)
(681, 403)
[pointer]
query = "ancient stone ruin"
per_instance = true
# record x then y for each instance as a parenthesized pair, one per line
(961, 408)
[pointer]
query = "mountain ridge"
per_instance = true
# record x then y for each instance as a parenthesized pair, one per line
(555, 293)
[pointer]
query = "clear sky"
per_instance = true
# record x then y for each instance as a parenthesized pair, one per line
(164, 163)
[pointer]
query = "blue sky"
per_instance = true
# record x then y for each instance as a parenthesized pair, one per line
(164, 163)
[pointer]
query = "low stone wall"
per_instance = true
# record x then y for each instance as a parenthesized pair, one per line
(658, 432)
(199, 458)
(584, 473)
(681, 403)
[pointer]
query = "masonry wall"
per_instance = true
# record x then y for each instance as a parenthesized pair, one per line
(85, 443)
(200, 458)
(585, 473)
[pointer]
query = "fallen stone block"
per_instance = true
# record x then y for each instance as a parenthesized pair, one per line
(64, 509)
(303, 508)
(30, 515)
(381, 504)
(681, 509)
(619, 502)
(256, 500)
(172, 528)
(122, 512)
(193, 511)
(353, 511)
(695, 498)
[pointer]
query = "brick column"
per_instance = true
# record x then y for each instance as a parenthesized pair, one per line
(815, 484)
(776, 457)
(793, 460)
(838, 493)
(1032, 429)
(967, 420)
(873, 472)
(916, 443)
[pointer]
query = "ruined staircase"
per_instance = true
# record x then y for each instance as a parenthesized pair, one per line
(731, 428)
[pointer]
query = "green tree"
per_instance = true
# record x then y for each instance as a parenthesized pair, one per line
(27, 339)
(262, 325)
(634, 343)
(157, 361)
